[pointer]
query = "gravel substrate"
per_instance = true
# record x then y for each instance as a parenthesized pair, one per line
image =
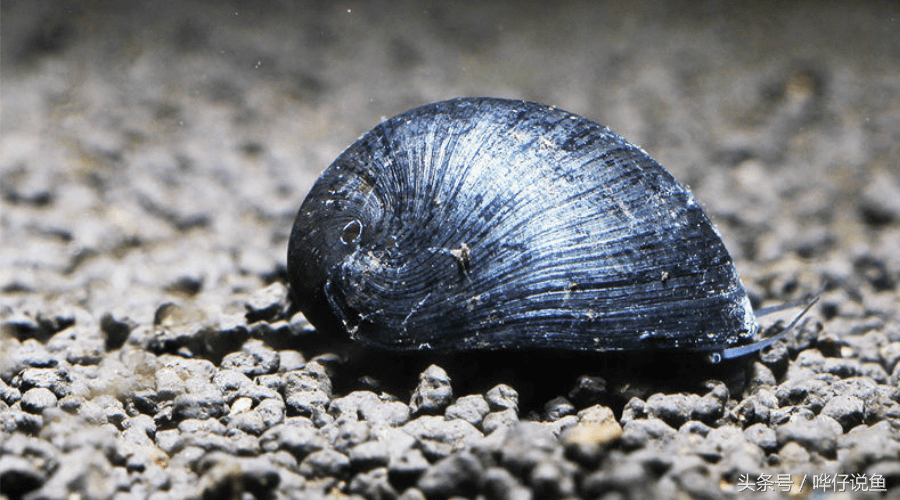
(153, 158)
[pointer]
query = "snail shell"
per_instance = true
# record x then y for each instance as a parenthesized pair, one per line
(481, 223)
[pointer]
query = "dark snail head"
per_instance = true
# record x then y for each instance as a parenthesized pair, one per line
(494, 224)
(338, 216)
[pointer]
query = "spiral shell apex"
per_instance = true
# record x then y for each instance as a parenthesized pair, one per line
(481, 223)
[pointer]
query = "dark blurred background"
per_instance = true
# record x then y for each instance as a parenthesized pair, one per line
(152, 149)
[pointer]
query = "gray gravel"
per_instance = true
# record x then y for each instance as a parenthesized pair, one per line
(153, 158)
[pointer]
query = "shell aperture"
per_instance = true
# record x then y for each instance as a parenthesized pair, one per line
(482, 223)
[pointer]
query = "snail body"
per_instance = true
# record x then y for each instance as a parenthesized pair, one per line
(481, 223)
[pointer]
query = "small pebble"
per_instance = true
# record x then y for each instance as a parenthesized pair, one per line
(847, 410)
(58, 321)
(818, 435)
(35, 354)
(758, 407)
(525, 445)
(54, 379)
(621, 475)
(308, 404)
(693, 475)
(116, 330)
(471, 408)
(227, 476)
(83, 345)
(9, 395)
(169, 384)
(397, 440)
(638, 433)
(351, 406)
(297, 435)
(875, 372)
(558, 408)
(762, 435)
(205, 426)
(558, 427)
(230, 381)
(92, 413)
(842, 367)
(807, 391)
(676, 409)
(372, 485)
(404, 469)
(792, 455)
(139, 430)
(21, 421)
(177, 325)
(503, 397)
(169, 441)
(25, 327)
(597, 429)
(113, 409)
(503, 419)
(202, 404)
(256, 392)
(368, 455)
(37, 400)
(79, 467)
(350, 433)
(313, 376)
(761, 376)
(271, 381)
(553, 479)
(235, 442)
(433, 393)
(634, 409)
(457, 474)
(879, 203)
(267, 303)
(272, 411)
(437, 437)
(390, 413)
(864, 445)
(324, 463)
(255, 358)
(266, 330)
(588, 391)
(412, 494)
(290, 360)
(72, 403)
(500, 484)
(737, 455)
(190, 368)
(248, 422)
(240, 405)
(19, 476)
(775, 357)
(694, 430)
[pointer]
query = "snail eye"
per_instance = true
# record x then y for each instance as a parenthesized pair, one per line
(351, 232)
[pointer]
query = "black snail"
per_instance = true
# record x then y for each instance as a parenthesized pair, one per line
(480, 223)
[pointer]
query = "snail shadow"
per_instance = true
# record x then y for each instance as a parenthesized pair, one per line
(585, 378)
(610, 378)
